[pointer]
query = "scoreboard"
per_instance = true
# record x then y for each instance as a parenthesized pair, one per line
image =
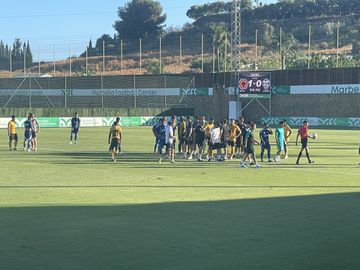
(257, 84)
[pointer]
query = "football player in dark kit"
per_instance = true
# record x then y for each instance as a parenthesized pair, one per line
(156, 134)
(75, 126)
(249, 146)
(28, 125)
(265, 143)
(240, 141)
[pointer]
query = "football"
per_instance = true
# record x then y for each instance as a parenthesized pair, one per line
(314, 136)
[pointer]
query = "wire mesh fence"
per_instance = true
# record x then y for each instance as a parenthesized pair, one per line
(98, 92)
(280, 44)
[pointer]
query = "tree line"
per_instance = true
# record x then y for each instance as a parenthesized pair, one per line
(13, 56)
(146, 18)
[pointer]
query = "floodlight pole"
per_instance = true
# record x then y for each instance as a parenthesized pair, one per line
(235, 47)
(236, 34)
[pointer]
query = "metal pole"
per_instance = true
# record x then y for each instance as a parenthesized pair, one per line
(39, 62)
(213, 67)
(309, 46)
(65, 91)
(160, 56)
(121, 54)
(225, 54)
(24, 63)
(10, 63)
(102, 91)
(134, 91)
(103, 57)
(165, 98)
(30, 92)
(54, 61)
(256, 49)
(180, 50)
(140, 51)
(202, 52)
(280, 47)
(337, 43)
(70, 60)
(87, 61)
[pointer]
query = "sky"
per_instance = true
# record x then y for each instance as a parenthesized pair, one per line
(69, 24)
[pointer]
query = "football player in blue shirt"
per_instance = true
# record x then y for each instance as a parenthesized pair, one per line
(75, 126)
(265, 143)
(161, 130)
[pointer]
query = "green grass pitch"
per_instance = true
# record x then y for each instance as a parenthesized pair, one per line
(69, 207)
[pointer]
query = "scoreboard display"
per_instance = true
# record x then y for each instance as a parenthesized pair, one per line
(257, 83)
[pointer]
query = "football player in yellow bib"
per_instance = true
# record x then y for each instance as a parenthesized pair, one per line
(287, 133)
(12, 133)
(235, 133)
(115, 136)
(207, 130)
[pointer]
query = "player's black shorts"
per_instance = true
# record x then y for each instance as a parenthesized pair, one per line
(225, 144)
(33, 134)
(237, 142)
(231, 143)
(200, 143)
(182, 140)
(304, 143)
(250, 149)
(199, 140)
(13, 137)
(115, 143)
(189, 141)
(75, 130)
(214, 146)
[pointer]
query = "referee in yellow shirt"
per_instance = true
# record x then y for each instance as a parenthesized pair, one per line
(12, 133)
(287, 133)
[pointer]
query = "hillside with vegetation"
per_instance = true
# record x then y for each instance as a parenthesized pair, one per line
(273, 36)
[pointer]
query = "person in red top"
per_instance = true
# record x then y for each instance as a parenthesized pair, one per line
(303, 132)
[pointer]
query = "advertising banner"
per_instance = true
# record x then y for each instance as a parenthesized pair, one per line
(281, 90)
(145, 92)
(65, 122)
(336, 89)
(49, 122)
(315, 121)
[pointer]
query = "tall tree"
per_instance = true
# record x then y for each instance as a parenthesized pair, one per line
(29, 56)
(140, 19)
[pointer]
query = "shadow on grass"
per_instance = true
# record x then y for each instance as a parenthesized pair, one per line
(305, 232)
